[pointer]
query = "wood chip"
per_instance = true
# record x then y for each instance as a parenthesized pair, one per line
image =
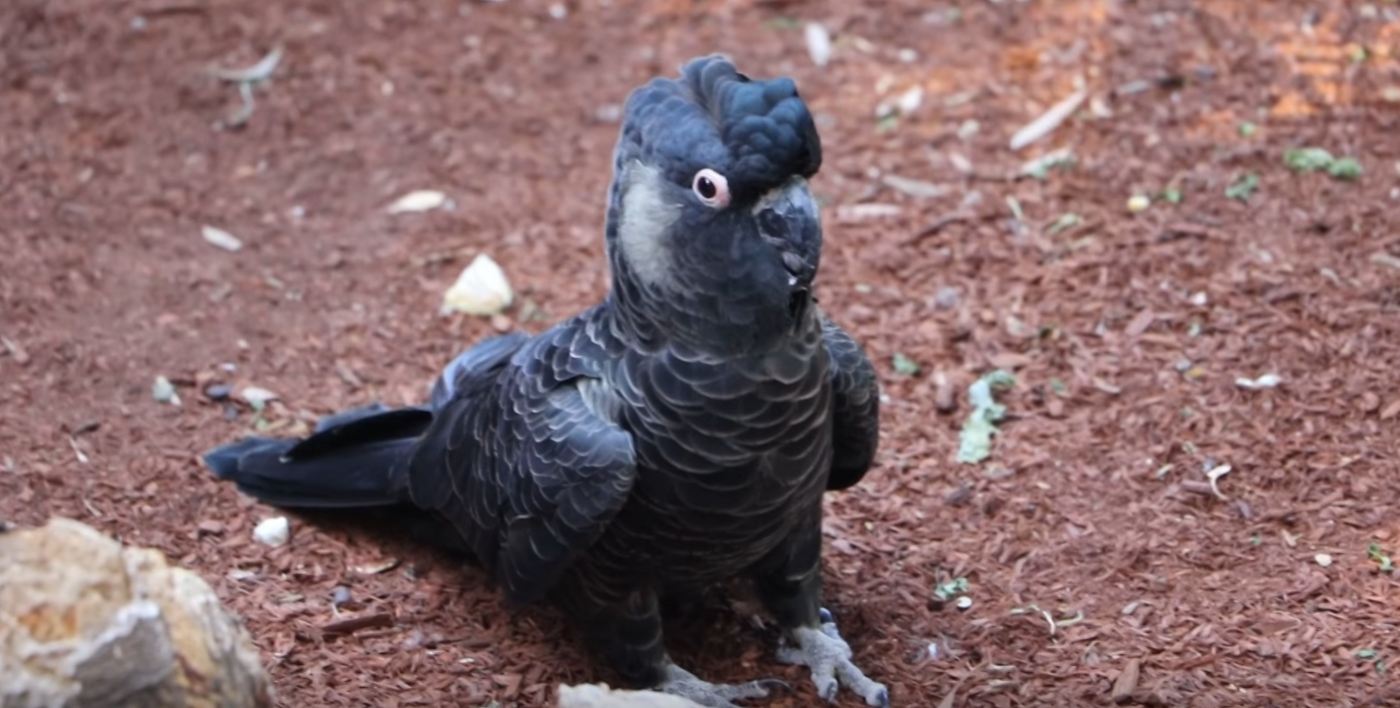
(1126, 683)
(1140, 323)
(1048, 121)
(16, 351)
(1391, 410)
(945, 394)
(1385, 259)
(351, 625)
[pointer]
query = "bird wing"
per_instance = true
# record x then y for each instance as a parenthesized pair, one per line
(525, 459)
(855, 407)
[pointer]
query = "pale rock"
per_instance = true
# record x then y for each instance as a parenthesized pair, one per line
(421, 200)
(600, 696)
(86, 622)
(273, 532)
(481, 289)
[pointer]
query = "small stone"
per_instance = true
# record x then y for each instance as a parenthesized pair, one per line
(164, 391)
(964, 603)
(946, 298)
(1323, 559)
(818, 43)
(421, 200)
(217, 392)
(959, 496)
(273, 532)
(481, 289)
(1265, 381)
(1139, 203)
(257, 397)
(340, 595)
(221, 239)
(82, 613)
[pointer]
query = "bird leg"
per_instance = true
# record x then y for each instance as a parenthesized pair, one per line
(628, 634)
(789, 581)
(822, 649)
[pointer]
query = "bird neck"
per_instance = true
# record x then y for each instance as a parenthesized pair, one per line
(709, 324)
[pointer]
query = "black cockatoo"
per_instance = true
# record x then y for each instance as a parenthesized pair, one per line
(679, 434)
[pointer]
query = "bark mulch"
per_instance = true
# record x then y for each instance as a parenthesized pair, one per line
(1101, 564)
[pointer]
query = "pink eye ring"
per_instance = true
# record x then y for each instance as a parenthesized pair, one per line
(711, 187)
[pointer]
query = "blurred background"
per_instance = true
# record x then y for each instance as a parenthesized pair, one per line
(1175, 221)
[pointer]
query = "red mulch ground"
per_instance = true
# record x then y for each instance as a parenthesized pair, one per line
(1127, 331)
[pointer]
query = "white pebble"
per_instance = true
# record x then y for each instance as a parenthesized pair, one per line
(1265, 381)
(221, 239)
(164, 391)
(1323, 559)
(421, 200)
(256, 397)
(910, 100)
(964, 602)
(273, 532)
(481, 289)
(1138, 203)
(818, 43)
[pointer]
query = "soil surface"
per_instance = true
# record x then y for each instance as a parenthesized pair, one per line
(1101, 564)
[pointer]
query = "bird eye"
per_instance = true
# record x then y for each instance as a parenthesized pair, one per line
(711, 187)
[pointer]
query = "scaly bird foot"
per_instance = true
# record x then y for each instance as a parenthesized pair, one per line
(680, 682)
(829, 657)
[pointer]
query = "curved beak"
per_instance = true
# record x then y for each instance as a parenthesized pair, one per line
(788, 219)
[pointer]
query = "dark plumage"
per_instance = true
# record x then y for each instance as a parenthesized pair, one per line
(678, 434)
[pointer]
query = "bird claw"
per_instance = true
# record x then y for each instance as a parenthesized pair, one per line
(680, 682)
(822, 650)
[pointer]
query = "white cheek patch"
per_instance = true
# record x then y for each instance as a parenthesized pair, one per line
(646, 219)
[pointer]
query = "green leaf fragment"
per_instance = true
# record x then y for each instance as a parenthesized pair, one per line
(1346, 168)
(1377, 554)
(975, 441)
(1315, 159)
(905, 366)
(1172, 195)
(1064, 221)
(1243, 187)
(1308, 159)
(946, 591)
(1247, 129)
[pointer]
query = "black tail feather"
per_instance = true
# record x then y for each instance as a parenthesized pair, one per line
(348, 463)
